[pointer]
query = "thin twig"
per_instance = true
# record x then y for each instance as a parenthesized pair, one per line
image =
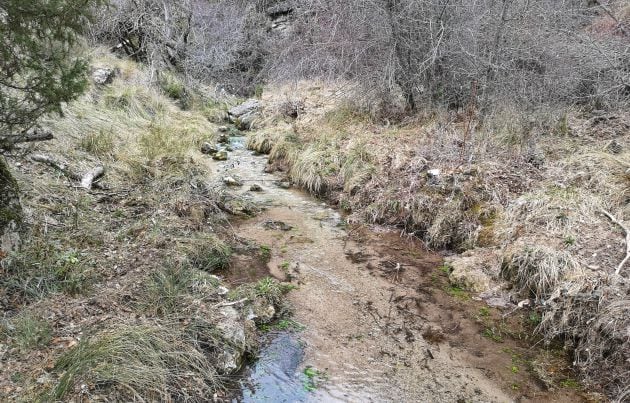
(240, 301)
(627, 231)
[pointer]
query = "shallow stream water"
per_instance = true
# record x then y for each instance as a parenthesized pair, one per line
(377, 326)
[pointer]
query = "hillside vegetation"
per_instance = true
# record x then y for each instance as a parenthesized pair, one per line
(110, 296)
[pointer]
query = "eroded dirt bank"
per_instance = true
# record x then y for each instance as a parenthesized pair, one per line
(380, 320)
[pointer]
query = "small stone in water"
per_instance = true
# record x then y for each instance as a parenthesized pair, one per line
(221, 155)
(207, 148)
(231, 181)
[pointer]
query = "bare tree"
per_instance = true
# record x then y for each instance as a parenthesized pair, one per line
(432, 51)
(220, 41)
(417, 51)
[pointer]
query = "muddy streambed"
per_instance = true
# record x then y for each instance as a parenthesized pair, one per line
(372, 316)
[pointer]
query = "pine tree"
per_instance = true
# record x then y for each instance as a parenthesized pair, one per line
(39, 70)
(39, 67)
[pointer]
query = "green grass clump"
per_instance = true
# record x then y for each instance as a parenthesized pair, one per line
(210, 255)
(258, 91)
(289, 324)
(27, 331)
(98, 143)
(313, 378)
(267, 290)
(40, 269)
(446, 269)
(284, 266)
(146, 362)
(493, 334)
(270, 289)
(172, 86)
(534, 319)
(172, 288)
(265, 252)
(570, 383)
(167, 289)
(283, 325)
(458, 292)
(484, 312)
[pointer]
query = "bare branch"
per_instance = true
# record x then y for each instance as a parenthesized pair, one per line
(627, 231)
(29, 136)
(86, 180)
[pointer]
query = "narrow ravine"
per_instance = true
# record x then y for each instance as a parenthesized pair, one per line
(377, 323)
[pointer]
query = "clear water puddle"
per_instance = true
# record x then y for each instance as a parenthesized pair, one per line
(276, 375)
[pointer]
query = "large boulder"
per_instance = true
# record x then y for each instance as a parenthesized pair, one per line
(10, 211)
(243, 115)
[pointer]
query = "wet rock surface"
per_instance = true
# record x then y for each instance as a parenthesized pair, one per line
(220, 155)
(243, 115)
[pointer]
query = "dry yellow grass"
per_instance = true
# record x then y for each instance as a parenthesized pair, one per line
(132, 125)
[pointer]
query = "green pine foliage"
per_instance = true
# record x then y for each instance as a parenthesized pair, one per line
(39, 66)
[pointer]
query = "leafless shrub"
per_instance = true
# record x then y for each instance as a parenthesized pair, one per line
(217, 41)
(523, 52)
(292, 108)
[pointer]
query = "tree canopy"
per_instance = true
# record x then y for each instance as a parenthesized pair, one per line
(39, 66)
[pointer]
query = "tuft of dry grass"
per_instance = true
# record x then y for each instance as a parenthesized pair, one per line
(537, 270)
(261, 141)
(312, 167)
(139, 362)
(561, 249)
(132, 124)
(209, 254)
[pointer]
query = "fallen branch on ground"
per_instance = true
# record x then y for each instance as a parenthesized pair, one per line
(223, 304)
(627, 231)
(92, 175)
(86, 180)
(26, 137)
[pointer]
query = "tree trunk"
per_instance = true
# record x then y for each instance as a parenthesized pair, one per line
(10, 211)
(403, 57)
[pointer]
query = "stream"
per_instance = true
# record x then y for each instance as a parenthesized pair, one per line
(372, 322)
